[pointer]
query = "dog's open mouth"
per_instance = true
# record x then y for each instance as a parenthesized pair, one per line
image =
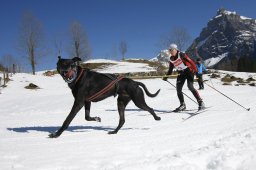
(69, 75)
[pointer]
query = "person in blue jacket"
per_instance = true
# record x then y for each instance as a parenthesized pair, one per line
(200, 70)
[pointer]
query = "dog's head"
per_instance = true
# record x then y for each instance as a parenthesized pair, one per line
(67, 68)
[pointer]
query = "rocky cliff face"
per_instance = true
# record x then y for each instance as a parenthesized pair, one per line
(227, 42)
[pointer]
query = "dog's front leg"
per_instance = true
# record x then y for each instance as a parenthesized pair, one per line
(75, 109)
(87, 106)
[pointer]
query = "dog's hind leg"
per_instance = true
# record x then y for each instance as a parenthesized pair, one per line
(139, 101)
(122, 102)
(87, 106)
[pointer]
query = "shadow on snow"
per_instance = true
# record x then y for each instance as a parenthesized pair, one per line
(55, 128)
(139, 110)
(70, 128)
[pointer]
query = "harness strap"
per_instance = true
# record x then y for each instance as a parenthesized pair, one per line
(112, 77)
(105, 89)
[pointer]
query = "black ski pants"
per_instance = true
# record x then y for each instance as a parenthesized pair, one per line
(200, 81)
(182, 77)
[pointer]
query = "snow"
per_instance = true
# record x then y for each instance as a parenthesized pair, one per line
(233, 13)
(229, 12)
(245, 34)
(218, 16)
(101, 61)
(153, 59)
(122, 67)
(214, 60)
(224, 137)
(225, 12)
(245, 18)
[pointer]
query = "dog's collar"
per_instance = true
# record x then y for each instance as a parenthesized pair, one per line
(80, 75)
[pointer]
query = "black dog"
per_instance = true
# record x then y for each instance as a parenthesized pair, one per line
(88, 86)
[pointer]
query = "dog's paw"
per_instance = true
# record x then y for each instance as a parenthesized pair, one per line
(157, 118)
(112, 132)
(97, 119)
(53, 135)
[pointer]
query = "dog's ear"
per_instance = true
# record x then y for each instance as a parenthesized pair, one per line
(76, 59)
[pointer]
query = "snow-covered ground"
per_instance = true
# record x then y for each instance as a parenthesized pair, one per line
(122, 66)
(222, 138)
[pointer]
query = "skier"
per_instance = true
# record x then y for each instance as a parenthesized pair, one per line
(186, 70)
(200, 70)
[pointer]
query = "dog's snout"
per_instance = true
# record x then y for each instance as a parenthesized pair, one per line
(64, 72)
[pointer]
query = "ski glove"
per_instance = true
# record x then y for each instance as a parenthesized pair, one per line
(165, 78)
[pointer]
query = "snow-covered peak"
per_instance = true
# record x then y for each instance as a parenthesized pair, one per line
(222, 11)
(226, 33)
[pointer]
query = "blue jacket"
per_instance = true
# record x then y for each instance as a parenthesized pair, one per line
(200, 68)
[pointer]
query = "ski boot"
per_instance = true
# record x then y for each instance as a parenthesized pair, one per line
(180, 108)
(201, 105)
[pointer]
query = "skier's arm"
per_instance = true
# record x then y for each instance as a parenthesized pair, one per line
(193, 65)
(169, 71)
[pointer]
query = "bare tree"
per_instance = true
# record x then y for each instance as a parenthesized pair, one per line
(31, 37)
(1, 67)
(123, 49)
(179, 36)
(58, 44)
(80, 46)
(114, 51)
(8, 61)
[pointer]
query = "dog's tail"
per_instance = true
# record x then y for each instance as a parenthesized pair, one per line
(146, 90)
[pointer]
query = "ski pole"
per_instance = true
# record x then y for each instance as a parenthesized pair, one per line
(182, 92)
(248, 109)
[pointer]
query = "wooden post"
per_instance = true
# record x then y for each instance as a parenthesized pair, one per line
(7, 75)
(4, 79)
(13, 68)
(0, 84)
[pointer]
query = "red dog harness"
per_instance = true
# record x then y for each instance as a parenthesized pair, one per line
(105, 89)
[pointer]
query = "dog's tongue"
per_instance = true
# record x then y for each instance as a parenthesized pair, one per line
(70, 74)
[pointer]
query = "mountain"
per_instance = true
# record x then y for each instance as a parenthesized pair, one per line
(228, 42)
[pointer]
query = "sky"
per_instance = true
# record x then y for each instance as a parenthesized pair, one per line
(140, 23)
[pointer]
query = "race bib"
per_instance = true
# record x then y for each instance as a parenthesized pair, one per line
(178, 63)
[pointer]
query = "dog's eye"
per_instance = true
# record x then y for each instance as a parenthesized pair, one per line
(73, 65)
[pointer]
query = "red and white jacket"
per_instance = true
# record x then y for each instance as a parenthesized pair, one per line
(181, 62)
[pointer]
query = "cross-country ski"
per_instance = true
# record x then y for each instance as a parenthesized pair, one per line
(192, 114)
